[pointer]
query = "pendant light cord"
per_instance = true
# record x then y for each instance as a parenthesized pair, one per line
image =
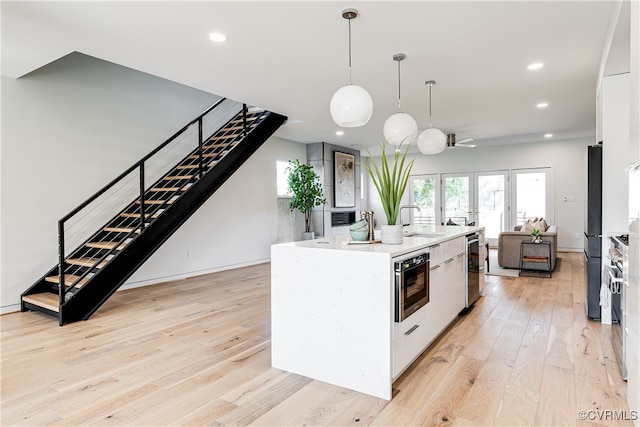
(399, 99)
(430, 126)
(350, 51)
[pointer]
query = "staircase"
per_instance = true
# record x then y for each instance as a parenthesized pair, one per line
(139, 210)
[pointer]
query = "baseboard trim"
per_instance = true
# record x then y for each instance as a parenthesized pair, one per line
(188, 274)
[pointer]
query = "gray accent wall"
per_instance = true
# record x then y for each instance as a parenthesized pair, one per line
(321, 156)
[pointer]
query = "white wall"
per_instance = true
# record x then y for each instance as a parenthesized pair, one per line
(566, 158)
(74, 125)
(236, 226)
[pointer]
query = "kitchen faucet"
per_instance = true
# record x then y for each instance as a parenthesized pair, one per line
(407, 207)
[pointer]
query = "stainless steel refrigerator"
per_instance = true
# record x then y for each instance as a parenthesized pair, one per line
(593, 230)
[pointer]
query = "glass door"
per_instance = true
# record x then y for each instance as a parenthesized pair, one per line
(424, 194)
(457, 195)
(491, 203)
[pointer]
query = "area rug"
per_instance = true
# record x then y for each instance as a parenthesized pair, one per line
(496, 270)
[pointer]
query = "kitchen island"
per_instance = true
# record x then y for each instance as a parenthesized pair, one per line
(332, 306)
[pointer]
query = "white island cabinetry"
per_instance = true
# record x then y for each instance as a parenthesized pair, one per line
(332, 307)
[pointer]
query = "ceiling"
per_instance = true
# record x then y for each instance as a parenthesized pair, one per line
(290, 57)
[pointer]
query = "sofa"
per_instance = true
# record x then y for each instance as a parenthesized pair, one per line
(509, 246)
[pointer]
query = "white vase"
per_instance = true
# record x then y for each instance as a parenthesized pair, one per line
(391, 234)
(308, 235)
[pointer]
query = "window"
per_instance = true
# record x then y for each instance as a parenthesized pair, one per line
(282, 179)
(532, 190)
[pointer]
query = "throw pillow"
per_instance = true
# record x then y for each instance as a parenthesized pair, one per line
(543, 225)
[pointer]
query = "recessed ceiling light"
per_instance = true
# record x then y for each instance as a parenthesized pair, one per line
(535, 66)
(548, 135)
(339, 132)
(542, 105)
(217, 37)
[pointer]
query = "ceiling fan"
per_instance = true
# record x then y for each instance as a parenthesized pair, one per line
(452, 143)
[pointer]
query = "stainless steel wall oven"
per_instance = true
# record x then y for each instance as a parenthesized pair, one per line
(412, 284)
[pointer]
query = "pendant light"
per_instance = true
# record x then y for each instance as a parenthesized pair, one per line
(351, 106)
(432, 140)
(400, 127)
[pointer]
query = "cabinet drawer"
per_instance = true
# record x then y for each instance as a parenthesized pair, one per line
(408, 346)
(401, 328)
(452, 247)
(435, 254)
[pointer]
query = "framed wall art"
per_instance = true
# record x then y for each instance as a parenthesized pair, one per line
(344, 185)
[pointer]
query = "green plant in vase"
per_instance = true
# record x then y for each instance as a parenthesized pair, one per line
(390, 179)
(535, 235)
(305, 186)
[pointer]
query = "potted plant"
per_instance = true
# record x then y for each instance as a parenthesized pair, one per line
(391, 181)
(304, 184)
(535, 235)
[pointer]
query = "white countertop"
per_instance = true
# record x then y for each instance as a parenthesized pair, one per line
(414, 238)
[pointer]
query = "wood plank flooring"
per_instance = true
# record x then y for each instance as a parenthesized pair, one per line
(197, 352)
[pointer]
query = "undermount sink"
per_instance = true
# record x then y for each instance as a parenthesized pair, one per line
(421, 234)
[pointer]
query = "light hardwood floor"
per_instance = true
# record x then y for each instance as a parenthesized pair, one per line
(197, 352)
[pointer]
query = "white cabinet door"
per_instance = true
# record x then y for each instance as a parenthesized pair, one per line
(455, 283)
(438, 297)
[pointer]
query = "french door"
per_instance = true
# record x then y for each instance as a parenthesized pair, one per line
(492, 203)
(457, 197)
(482, 198)
(478, 198)
(425, 193)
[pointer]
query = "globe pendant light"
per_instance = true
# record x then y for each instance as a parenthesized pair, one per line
(400, 127)
(432, 140)
(351, 106)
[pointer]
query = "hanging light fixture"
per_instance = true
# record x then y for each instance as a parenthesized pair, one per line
(351, 106)
(432, 140)
(400, 127)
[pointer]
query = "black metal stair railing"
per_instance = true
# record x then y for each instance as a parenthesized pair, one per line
(171, 169)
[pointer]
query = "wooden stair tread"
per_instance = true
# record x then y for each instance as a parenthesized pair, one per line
(155, 202)
(46, 300)
(171, 189)
(220, 145)
(121, 230)
(195, 156)
(218, 137)
(87, 262)
(69, 279)
(177, 177)
(137, 215)
(196, 166)
(106, 245)
(250, 117)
